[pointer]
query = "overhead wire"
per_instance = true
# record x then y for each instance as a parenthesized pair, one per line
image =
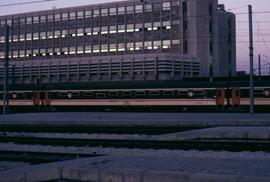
(25, 3)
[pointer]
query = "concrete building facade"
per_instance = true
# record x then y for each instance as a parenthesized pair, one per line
(126, 40)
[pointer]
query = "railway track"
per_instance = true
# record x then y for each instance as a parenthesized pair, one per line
(39, 157)
(201, 145)
(148, 130)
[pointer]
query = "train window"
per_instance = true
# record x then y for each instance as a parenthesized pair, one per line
(113, 94)
(168, 92)
(100, 95)
(154, 93)
(126, 93)
(88, 94)
(140, 93)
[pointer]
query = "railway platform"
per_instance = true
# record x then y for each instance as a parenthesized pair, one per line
(150, 169)
(137, 119)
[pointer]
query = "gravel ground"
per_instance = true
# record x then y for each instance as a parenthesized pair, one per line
(5, 165)
(138, 152)
(79, 136)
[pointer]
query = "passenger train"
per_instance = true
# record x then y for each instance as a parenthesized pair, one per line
(186, 95)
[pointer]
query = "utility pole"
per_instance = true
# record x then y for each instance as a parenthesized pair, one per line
(251, 84)
(6, 75)
(260, 69)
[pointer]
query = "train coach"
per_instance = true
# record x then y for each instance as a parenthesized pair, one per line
(140, 95)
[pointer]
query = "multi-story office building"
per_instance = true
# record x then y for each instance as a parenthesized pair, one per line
(126, 40)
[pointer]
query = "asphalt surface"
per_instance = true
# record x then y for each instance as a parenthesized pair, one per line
(115, 119)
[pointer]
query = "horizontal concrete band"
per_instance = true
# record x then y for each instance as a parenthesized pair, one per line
(124, 175)
(138, 119)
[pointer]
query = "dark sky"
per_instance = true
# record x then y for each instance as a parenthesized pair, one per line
(261, 24)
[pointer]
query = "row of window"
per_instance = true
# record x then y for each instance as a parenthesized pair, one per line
(148, 45)
(86, 14)
(88, 31)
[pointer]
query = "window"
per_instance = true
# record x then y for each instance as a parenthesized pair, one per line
(22, 21)
(64, 50)
(88, 14)
(156, 44)
(138, 45)
(2, 39)
(166, 6)
(57, 17)
(42, 19)
(57, 51)
(50, 18)
(96, 13)
(130, 46)
(50, 35)
(156, 25)
(88, 31)
(15, 38)
(121, 10)
(104, 30)
(95, 30)
(166, 44)
(88, 49)
(15, 54)
(72, 16)
(57, 34)
(96, 49)
(112, 11)
(3, 23)
(130, 28)
(36, 19)
(112, 47)
(21, 54)
(2, 55)
(148, 7)
(121, 28)
(138, 27)
(80, 15)
(121, 47)
(104, 48)
(72, 33)
(42, 35)
(64, 16)
(28, 53)
(112, 29)
(29, 20)
(148, 26)
(138, 8)
(80, 50)
(104, 12)
(64, 33)
(148, 45)
(80, 32)
(167, 25)
(72, 50)
(9, 22)
(50, 52)
(35, 36)
(22, 37)
(175, 42)
(130, 9)
(35, 52)
(42, 52)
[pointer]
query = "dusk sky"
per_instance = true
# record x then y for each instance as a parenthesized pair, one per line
(261, 24)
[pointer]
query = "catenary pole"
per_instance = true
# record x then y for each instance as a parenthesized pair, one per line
(6, 75)
(260, 68)
(251, 84)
